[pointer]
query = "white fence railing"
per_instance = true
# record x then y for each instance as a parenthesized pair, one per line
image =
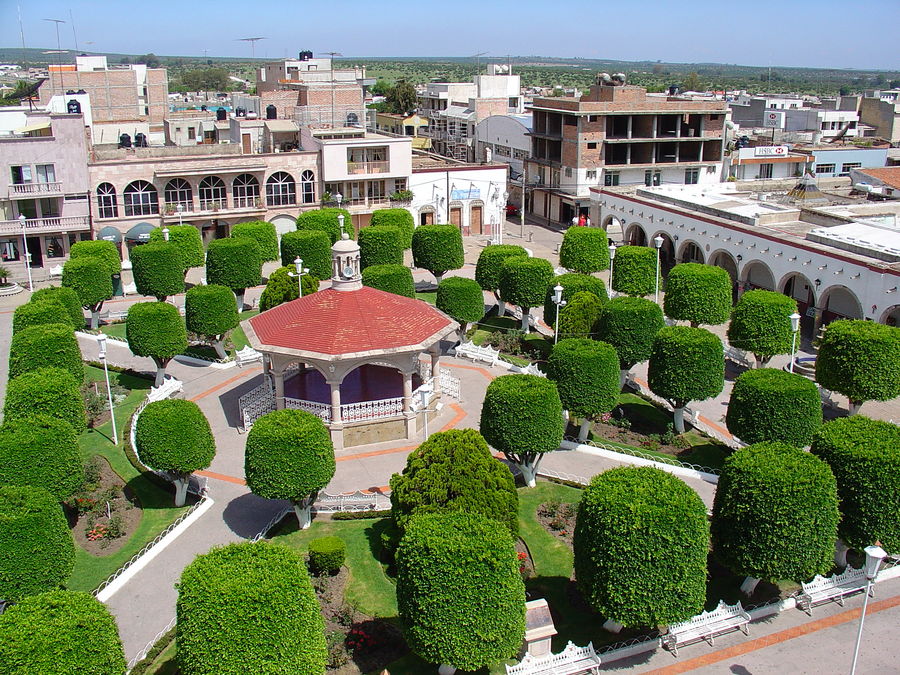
(256, 403)
(320, 410)
(353, 501)
(141, 655)
(370, 410)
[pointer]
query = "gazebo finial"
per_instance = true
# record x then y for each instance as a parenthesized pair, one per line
(345, 265)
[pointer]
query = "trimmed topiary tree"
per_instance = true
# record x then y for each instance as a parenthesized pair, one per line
(88, 278)
(584, 250)
(864, 455)
(625, 563)
(630, 325)
(262, 233)
(686, 364)
(282, 287)
(524, 282)
(187, 240)
(487, 270)
(105, 251)
(698, 293)
(235, 263)
(462, 299)
(774, 405)
(572, 283)
(395, 279)
(156, 329)
(459, 591)
(313, 247)
(326, 555)
(586, 373)
(48, 346)
(634, 270)
(42, 451)
(761, 324)
(49, 391)
(438, 249)
(158, 270)
(209, 311)
(45, 312)
(326, 220)
(68, 298)
(289, 455)
(173, 435)
(775, 514)
(249, 608)
(578, 317)
(861, 360)
(62, 632)
(37, 553)
(522, 417)
(399, 218)
(380, 246)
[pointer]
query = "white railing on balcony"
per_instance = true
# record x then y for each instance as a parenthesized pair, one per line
(35, 225)
(320, 410)
(356, 168)
(35, 188)
(247, 202)
(213, 204)
(370, 410)
(171, 208)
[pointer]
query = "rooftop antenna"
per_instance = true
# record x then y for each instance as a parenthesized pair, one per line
(21, 31)
(478, 60)
(58, 49)
(332, 55)
(72, 21)
(252, 41)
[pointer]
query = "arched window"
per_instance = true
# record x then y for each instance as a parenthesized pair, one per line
(308, 187)
(352, 120)
(245, 189)
(178, 193)
(212, 193)
(141, 199)
(107, 204)
(281, 189)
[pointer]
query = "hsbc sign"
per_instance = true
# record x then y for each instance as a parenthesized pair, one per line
(770, 151)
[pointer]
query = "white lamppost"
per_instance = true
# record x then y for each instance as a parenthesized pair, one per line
(425, 394)
(560, 303)
(341, 224)
(338, 197)
(25, 254)
(299, 274)
(874, 555)
(180, 208)
(657, 242)
(165, 233)
(101, 342)
(612, 257)
(502, 217)
(795, 326)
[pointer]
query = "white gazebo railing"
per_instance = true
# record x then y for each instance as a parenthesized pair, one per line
(370, 410)
(320, 410)
(256, 403)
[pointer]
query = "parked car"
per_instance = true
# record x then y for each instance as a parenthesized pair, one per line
(512, 210)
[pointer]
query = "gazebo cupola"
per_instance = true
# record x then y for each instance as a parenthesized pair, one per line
(345, 272)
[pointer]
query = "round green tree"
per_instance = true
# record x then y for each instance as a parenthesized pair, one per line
(399, 218)
(37, 553)
(630, 325)
(861, 360)
(524, 282)
(395, 279)
(761, 324)
(774, 405)
(209, 311)
(634, 270)
(187, 240)
(88, 278)
(69, 299)
(698, 293)
(380, 246)
(282, 286)
(864, 455)
(584, 250)
(572, 283)
(49, 346)
(158, 270)
(313, 247)
(105, 251)
(173, 435)
(459, 591)
(49, 391)
(235, 263)
(522, 417)
(249, 608)
(462, 299)
(578, 317)
(156, 329)
(60, 632)
(262, 233)
(326, 220)
(487, 269)
(686, 364)
(438, 249)
(625, 562)
(42, 313)
(289, 455)
(775, 514)
(42, 451)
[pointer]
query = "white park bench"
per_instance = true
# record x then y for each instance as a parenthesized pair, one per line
(246, 355)
(569, 661)
(836, 587)
(706, 626)
(827, 397)
(738, 356)
(469, 350)
(54, 272)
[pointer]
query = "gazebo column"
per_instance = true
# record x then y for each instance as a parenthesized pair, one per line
(336, 426)
(267, 369)
(436, 372)
(409, 414)
(278, 377)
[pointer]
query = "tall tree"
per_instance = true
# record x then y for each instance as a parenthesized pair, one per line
(156, 329)
(401, 98)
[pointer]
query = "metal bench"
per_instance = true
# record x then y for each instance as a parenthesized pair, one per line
(738, 356)
(569, 661)
(476, 353)
(836, 587)
(706, 627)
(246, 355)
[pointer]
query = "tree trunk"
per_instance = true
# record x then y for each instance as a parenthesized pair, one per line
(840, 553)
(181, 486)
(95, 316)
(749, 586)
(584, 430)
(612, 626)
(160, 371)
(762, 361)
(303, 510)
(219, 346)
(501, 306)
(446, 669)
(855, 406)
(239, 297)
(529, 473)
(695, 324)
(623, 377)
(526, 312)
(438, 277)
(678, 419)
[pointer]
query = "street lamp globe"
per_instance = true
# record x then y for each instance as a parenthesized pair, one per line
(658, 241)
(874, 555)
(795, 322)
(557, 294)
(612, 252)
(298, 265)
(165, 233)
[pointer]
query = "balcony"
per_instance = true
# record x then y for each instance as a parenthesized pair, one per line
(41, 225)
(363, 168)
(214, 208)
(29, 190)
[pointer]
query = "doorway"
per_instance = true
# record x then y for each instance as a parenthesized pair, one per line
(475, 220)
(34, 248)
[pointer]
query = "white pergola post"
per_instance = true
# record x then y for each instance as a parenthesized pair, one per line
(436, 372)
(278, 377)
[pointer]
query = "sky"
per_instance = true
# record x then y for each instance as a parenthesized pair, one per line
(813, 33)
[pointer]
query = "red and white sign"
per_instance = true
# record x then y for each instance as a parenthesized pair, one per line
(770, 151)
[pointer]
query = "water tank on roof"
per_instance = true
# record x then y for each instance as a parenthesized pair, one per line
(124, 141)
(221, 114)
(202, 107)
(673, 90)
(73, 107)
(140, 140)
(271, 112)
(305, 55)
(70, 92)
(81, 91)
(240, 112)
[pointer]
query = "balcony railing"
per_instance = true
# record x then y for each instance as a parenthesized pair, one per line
(30, 189)
(38, 225)
(357, 168)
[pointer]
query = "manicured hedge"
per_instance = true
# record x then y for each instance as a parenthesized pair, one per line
(761, 324)
(326, 220)
(399, 218)
(775, 514)
(630, 325)
(60, 632)
(249, 608)
(686, 364)
(312, 247)
(88, 278)
(106, 251)
(188, 242)
(578, 318)
(774, 405)
(282, 287)
(158, 270)
(864, 455)
(634, 270)
(438, 249)
(584, 250)
(490, 260)
(210, 310)
(586, 373)
(42, 451)
(37, 553)
(155, 329)
(49, 391)
(524, 281)
(49, 346)
(235, 263)
(380, 246)
(640, 543)
(395, 279)
(326, 555)
(262, 233)
(42, 313)
(698, 293)
(459, 591)
(174, 435)
(461, 298)
(572, 283)
(69, 299)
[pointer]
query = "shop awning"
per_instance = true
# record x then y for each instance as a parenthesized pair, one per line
(140, 233)
(39, 126)
(281, 126)
(110, 233)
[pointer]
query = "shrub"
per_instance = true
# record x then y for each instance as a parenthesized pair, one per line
(326, 220)
(210, 311)
(625, 562)
(155, 329)
(42, 451)
(572, 283)
(105, 251)
(37, 553)
(326, 555)
(634, 270)
(312, 247)
(235, 263)
(775, 513)
(282, 287)
(459, 592)
(399, 218)
(262, 233)
(43, 313)
(524, 282)
(761, 324)
(187, 240)
(158, 270)
(249, 608)
(93, 286)
(380, 246)
(630, 325)
(864, 455)
(64, 632)
(438, 249)
(462, 299)
(698, 293)
(49, 391)
(586, 373)
(49, 346)
(490, 260)
(578, 317)
(395, 279)
(584, 250)
(773, 405)
(861, 360)
(68, 298)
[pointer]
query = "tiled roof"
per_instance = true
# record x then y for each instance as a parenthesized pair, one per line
(888, 175)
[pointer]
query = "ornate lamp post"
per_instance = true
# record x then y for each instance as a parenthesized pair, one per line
(560, 303)
(795, 326)
(874, 555)
(299, 274)
(612, 257)
(101, 342)
(657, 242)
(180, 208)
(165, 233)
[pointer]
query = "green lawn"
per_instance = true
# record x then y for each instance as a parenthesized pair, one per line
(428, 296)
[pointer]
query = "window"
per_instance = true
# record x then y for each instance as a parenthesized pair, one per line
(375, 190)
(824, 168)
(54, 246)
(653, 178)
(765, 170)
(281, 189)
(591, 174)
(399, 184)
(592, 146)
(20, 174)
(593, 118)
(9, 250)
(846, 166)
(610, 178)
(50, 208)
(568, 172)
(691, 176)
(245, 189)
(212, 193)
(107, 206)
(308, 187)
(46, 173)
(141, 199)
(192, 133)
(178, 191)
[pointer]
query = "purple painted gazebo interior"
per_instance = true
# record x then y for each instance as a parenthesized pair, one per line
(366, 383)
